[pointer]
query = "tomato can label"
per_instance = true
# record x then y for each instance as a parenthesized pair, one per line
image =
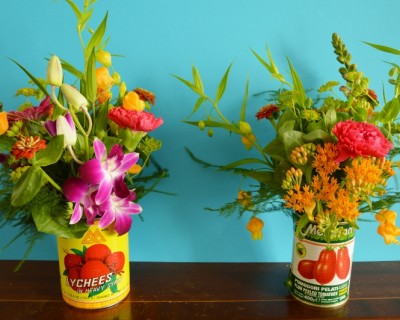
(94, 269)
(320, 272)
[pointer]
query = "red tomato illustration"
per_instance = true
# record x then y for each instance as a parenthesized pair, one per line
(325, 267)
(343, 263)
(306, 268)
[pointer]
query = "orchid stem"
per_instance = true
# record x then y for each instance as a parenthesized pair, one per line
(54, 98)
(80, 128)
(73, 155)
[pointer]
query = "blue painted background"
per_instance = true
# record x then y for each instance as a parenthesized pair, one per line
(160, 38)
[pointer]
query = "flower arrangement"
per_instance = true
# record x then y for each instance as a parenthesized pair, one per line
(329, 157)
(77, 155)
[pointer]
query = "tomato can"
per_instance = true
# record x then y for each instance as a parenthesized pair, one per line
(94, 270)
(320, 272)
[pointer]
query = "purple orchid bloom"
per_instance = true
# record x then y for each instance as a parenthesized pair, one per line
(63, 125)
(78, 191)
(119, 207)
(104, 170)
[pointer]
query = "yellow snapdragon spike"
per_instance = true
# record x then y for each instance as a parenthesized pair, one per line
(3, 122)
(255, 226)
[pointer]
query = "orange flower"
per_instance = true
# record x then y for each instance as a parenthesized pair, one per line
(344, 205)
(255, 226)
(324, 161)
(135, 169)
(145, 95)
(104, 83)
(267, 112)
(301, 200)
(388, 228)
(131, 101)
(3, 123)
(244, 198)
(26, 147)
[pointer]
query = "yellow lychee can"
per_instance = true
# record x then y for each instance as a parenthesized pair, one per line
(94, 270)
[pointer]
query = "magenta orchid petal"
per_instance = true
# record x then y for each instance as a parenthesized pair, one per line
(75, 189)
(51, 127)
(92, 171)
(123, 224)
(129, 160)
(104, 191)
(100, 150)
(76, 214)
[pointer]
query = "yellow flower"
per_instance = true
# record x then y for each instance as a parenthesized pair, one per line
(3, 123)
(131, 101)
(388, 228)
(104, 57)
(255, 226)
(104, 83)
(248, 140)
(122, 89)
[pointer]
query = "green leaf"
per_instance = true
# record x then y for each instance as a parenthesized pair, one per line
(215, 124)
(130, 139)
(301, 223)
(274, 150)
(51, 154)
(297, 85)
(383, 48)
(315, 135)
(197, 79)
(242, 162)
(49, 221)
(27, 186)
(222, 84)
(75, 9)
(272, 69)
(91, 86)
(189, 85)
(71, 69)
(330, 119)
(390, 111)
(101, 118)
(35, 81)
(96, 38)
(244, 103)
(85, 17)
(292, 139)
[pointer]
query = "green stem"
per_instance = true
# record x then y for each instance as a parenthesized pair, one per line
(54, 98)
(85, 136)
(51, 181)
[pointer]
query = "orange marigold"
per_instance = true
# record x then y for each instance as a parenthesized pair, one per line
(26, 147)
(255, 226)
(145, 95)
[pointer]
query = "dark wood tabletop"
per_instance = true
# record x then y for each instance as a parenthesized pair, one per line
(199, 291)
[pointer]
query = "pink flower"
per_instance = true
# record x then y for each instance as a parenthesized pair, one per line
(32, 113)
(134, 120)
(360, 139)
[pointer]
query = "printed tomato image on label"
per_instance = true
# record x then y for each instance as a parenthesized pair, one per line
(320, 272)
(94, 269)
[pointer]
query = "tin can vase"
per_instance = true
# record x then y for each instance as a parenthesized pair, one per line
(320, 272)
(94, 270)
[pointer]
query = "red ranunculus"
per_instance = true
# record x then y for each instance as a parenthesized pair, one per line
(134, 120)
(360, 139)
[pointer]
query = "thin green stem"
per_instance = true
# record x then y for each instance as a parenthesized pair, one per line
(51, 181)
(54, 98)
(82, 130)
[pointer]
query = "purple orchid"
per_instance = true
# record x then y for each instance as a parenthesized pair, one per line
(104, 170)
(78, 191)
(119, 207)
(63, 125)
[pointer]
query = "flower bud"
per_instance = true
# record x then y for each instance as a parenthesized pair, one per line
(116, 77)
(74, 98)
(54, 72)
(210, 133)
(202, 125)
(122, 89)
(104, 57)
(245, 128)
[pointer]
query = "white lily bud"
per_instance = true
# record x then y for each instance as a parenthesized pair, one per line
(54, 72)
(74, 98)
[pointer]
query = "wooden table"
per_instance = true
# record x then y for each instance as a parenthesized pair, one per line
(223, 291)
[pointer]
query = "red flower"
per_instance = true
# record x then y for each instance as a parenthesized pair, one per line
(32, 113)
(360, 139)
(267, 111)
(134, 120)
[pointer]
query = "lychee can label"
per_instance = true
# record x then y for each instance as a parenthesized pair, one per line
(94, 269)
(320, 272)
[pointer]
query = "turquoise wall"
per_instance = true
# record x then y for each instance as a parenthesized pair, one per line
(160, 38)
